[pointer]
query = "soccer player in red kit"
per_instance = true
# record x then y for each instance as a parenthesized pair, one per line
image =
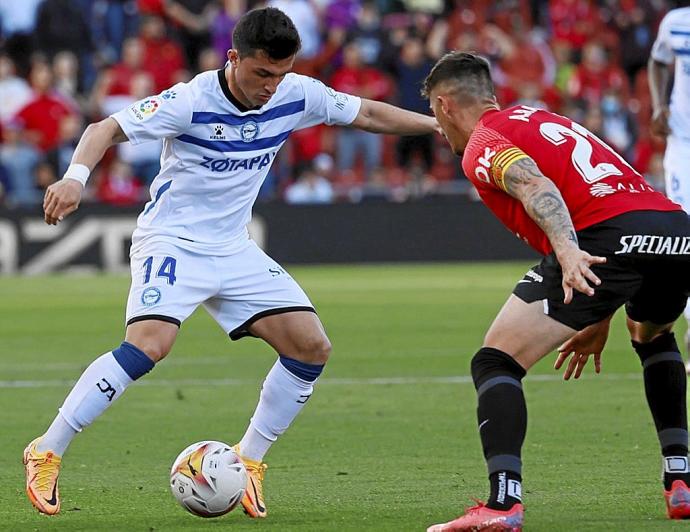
(608, 240)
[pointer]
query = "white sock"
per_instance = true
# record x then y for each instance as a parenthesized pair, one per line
(282, 397)
(100, 384)
(57, 437)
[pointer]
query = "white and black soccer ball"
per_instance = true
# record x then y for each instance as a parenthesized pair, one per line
(208, 479)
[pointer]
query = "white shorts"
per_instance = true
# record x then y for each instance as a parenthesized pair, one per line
(677, 171)
(170, 282)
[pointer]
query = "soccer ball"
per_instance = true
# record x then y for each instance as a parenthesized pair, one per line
(208, 479)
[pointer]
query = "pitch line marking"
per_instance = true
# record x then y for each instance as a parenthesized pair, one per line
(373, 381)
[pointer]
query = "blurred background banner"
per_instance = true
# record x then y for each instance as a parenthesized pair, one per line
(97, 238)
(67, 63)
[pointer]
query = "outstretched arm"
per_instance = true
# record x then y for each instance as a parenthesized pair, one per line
(380, 117)
(543, 202)
(63, 197)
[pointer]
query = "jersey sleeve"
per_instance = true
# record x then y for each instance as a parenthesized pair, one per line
(490, 156)
(166, 115)
(662, 51)
(324, 105)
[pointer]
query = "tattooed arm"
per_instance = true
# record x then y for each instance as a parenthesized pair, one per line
(543, 202)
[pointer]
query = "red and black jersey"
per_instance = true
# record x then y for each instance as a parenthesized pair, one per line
(596, 183)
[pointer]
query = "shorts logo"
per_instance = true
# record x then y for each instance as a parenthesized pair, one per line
(145, 109)
(249, 131)
(150, 296)
(654, 245)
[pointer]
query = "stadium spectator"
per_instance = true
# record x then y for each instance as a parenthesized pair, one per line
(312, 185)
(62, 25)
(413, 66)
(574, 21)
(618, 125)
(112, 22)
(163, 57)
(192, 20)
(595, 75)
(367, 33)
(223, 24)
(66, 76)
(119, 186)
(19, 159)
(41, 116)
(209, 60)
(14, 90)
(355, 78)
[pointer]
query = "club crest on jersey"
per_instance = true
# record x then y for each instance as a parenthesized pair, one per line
(145, 109)
(249, 131)
(150, 296)
(218, 132)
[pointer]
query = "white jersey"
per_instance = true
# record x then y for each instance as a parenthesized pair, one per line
(215, 156)
(672, 46)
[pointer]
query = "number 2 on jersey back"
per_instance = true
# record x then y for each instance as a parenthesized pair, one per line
(581, 154)
(166, 269)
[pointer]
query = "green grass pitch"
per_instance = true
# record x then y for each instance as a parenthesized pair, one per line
(387, 442)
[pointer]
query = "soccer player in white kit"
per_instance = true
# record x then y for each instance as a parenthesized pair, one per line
(221, 133)
(671, 119)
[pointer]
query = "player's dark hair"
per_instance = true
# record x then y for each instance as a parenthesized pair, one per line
(267, 29)
(467, 73)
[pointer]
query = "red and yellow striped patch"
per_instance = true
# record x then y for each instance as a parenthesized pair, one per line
(502, 161)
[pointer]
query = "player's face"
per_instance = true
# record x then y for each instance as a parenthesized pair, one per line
(442, 107)
(258, 76)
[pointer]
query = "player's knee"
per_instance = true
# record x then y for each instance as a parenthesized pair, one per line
(664, 342)
(488, 363)
(641, 333)
(153, 349)
(315, 349)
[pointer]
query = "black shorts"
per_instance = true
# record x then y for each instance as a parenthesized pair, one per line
(647, 270)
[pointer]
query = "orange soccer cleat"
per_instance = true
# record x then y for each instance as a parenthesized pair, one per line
(678, 500)
(42, 470)
(253, 500)
(480, 518)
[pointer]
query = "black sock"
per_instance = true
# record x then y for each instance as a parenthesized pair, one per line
(665, 384)
(506, 490)
(502, 421)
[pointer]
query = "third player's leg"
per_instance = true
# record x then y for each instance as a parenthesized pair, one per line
(520, 336)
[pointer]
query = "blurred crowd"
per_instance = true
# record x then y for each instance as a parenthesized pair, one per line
(66, 63)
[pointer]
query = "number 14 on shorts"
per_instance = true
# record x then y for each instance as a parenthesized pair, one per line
(165, 269)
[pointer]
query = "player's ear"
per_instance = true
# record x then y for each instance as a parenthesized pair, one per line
(233, 57)
(443, 104)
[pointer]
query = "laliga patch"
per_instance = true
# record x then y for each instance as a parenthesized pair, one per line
(150, 296)
(146, 108)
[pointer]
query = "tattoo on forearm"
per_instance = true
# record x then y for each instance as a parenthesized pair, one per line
(542, 201)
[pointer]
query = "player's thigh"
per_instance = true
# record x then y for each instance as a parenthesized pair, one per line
(256, 287)
(168, 284)
(660, 300)
(525, 331)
